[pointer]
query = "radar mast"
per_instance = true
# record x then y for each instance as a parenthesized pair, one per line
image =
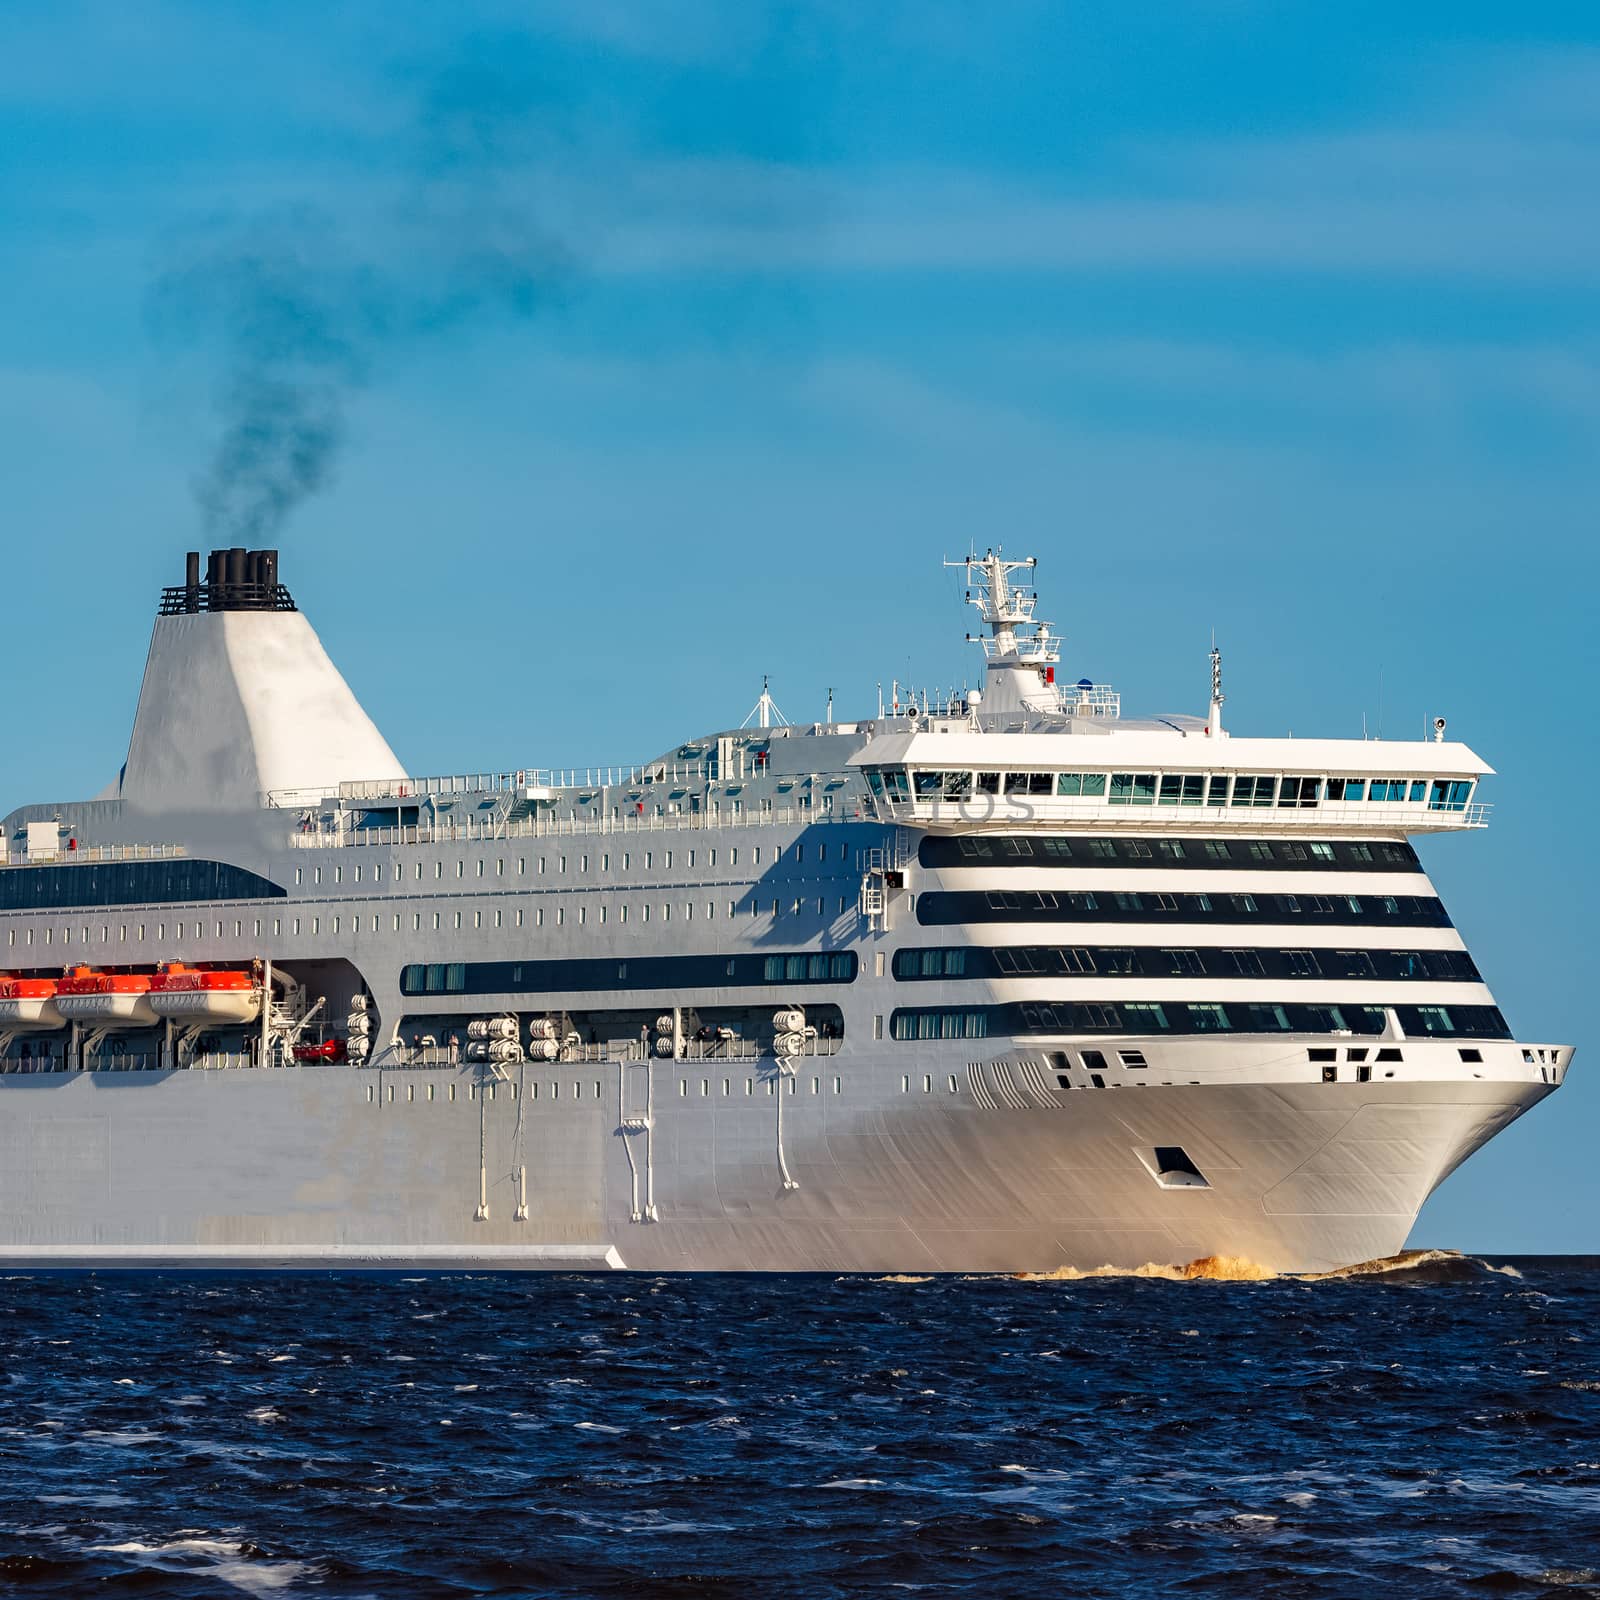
(1020, 651)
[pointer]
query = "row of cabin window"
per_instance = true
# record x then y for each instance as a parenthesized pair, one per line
(1150, 1016)
(1058, 961)
(357, 922)
(968, 849)
(557, 865)
(1169, 789)
(129, 883)
(576, 974)
(948, 907)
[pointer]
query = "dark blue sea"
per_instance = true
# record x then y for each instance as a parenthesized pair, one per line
(1427, 1434)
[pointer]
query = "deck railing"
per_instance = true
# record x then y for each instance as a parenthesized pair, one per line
(472, 829)
(1000, 813)
(87, 854)
(402, 1057)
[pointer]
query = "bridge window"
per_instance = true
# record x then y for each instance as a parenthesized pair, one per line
(1133, 788)
(1081, 783)
(1183, 789)
(1253, 791)
(1298, 791)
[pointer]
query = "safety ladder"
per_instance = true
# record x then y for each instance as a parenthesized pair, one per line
(877, 864)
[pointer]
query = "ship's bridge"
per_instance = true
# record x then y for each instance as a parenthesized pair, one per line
(971, 780)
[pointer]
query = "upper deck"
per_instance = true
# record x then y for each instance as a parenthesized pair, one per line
(954, 776)
(1025, 751)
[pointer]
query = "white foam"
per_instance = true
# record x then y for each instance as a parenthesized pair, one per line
(178, 1555)
(136, 1547)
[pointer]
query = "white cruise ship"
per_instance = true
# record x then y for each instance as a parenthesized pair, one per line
(1005, 983)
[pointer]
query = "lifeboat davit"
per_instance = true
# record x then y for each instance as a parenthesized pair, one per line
(194, 994)
(28, 1005)
(105, 999)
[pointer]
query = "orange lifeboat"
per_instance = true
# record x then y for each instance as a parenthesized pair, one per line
(204, 994)
(105, 999)
(28, 1005)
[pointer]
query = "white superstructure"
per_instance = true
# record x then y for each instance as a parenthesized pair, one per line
(1003, 981)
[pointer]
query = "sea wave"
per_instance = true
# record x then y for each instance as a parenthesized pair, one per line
(809, 1435)
(1413, 1266)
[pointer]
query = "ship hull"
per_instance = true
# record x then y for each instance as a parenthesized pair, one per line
(323, 1166)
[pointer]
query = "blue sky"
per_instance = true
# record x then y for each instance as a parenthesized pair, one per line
(675, 344)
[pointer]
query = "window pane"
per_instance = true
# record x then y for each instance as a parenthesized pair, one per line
(1133, 788)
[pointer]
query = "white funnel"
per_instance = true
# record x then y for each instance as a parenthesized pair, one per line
(237, 703)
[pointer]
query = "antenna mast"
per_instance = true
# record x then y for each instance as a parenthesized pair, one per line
(765, 713)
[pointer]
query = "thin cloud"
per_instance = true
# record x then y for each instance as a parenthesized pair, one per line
(1495, 182)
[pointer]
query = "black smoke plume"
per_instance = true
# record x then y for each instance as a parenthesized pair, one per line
(301, 311)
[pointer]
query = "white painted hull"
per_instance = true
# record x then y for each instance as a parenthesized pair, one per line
(317, 1166)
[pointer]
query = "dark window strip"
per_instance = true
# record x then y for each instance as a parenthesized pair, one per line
(1074, 850)
(944, 962)
(129, 883)
(947, 908)
(629, 973)
(1024, 1019)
